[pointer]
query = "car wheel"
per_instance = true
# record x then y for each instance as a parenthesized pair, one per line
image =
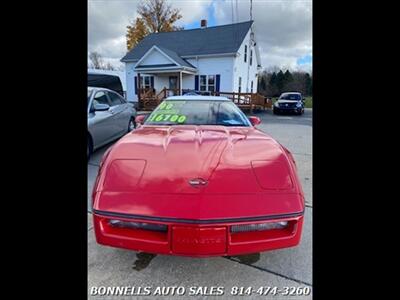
(132, 124)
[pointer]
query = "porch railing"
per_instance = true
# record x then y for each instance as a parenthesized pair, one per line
(150, 99)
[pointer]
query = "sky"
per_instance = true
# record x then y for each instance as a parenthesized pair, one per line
(283, 28)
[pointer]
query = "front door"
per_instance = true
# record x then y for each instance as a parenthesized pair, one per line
(173, 84)
(102, 122)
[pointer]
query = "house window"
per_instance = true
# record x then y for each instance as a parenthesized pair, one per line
(251, 57)
(145, 81)
(207, 83)
(211, 83)
(245, 53)
(240, 84)
(203, 83)
(251, 86)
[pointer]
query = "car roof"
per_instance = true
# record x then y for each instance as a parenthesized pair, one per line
(191, 97)
(290, 93)
(92, 88)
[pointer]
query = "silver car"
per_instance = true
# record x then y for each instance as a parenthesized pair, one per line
(110, 116)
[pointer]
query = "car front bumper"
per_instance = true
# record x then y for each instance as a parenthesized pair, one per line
(288, 110)
(185, 238)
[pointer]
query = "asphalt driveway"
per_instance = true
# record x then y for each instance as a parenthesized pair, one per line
(290, 267)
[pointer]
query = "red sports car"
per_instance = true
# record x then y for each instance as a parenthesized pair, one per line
(197, 178)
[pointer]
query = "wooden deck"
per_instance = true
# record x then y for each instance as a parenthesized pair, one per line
(149, 99)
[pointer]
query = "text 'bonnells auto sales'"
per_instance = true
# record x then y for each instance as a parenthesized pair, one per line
(156, 291)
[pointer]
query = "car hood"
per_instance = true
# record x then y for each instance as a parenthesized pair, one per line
(155, 166)
(288, 101)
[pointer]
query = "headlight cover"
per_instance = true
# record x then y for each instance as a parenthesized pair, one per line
(272, 174)
(137, 225)
(124, 174)
(259, 227)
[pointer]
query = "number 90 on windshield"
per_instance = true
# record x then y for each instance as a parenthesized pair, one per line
(168, 112)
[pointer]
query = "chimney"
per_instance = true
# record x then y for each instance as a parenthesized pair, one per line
(203, 23)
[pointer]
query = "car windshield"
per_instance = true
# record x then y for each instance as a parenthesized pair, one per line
(290, 97)
(197, 112)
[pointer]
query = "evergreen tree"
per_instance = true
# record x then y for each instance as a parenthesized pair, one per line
(273, 85)
(272, 81)
(288, 77)
(263, 84)
(280, 81)
(308, 84)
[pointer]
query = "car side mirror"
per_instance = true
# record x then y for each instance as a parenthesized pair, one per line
(254, 120)
(139, 120)
(101, 107)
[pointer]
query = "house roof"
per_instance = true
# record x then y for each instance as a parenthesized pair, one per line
(176, 57)
(200, 41)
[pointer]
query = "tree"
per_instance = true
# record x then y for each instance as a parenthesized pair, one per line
(295, 83)
(136, 33)
(96, 60)
(109, 66)
(308, 84)
(263, 83)
(289, 84)
(280, 81)
(155, 16)
(272, 80)
(273, 83)
(273, 87)
(288, 77)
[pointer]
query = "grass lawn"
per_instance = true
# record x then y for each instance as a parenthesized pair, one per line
(308, 102)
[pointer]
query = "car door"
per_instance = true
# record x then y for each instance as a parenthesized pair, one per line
(129, 110)
(101, 122)
(120, 110)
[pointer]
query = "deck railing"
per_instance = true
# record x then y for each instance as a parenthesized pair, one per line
(149, 99)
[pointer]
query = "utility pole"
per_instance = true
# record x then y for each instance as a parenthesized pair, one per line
(251, 10)
(250, 44)
(237, 12)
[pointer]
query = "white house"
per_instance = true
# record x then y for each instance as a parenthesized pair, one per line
(215, 59)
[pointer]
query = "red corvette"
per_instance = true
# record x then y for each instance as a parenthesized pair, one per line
(198, 179)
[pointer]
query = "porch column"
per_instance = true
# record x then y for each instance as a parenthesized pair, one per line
(180, 83)
(138, 87)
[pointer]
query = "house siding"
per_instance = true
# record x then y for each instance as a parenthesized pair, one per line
(130, 81)
(241, 68)
(222, 65)
(155, 58)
